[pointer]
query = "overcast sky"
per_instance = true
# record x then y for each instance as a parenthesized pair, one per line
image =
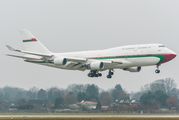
(78, 25)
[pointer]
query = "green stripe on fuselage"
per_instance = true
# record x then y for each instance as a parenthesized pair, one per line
(159, 56)
(36, 62)
(28, 41)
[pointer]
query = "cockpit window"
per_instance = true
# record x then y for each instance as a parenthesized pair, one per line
(161, 46)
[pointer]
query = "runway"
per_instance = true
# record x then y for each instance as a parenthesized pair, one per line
(89, 116)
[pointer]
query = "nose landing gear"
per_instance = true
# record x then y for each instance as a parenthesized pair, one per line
(157, 70)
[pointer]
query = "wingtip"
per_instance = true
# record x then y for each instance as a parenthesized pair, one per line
(10, 48)
(7, 54)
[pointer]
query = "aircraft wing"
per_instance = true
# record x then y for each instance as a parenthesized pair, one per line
(76, 66)
(113, 63)
(79, 63)
(75, 59)
(121, 61)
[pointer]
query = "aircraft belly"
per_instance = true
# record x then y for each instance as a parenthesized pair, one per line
(134, 62)
(145, 61)
(129, 62)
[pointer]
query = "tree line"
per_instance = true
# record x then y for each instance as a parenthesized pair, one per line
(61, 98)
(160, 93)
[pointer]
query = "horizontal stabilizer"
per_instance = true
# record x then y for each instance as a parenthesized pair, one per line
(10, 48)
(28, 52)
(24, 57)
(34, 53)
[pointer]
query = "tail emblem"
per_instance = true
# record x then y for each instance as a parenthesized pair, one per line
(30, 40)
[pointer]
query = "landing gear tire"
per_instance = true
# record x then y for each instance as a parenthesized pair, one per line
(94, 73)
(99, 74)
(157, 71)
(111, 73)
(109, 76)
(90, 75)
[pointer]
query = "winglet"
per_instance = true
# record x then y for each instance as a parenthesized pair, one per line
(10, 48)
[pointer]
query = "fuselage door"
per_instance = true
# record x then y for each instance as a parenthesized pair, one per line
(135, 48)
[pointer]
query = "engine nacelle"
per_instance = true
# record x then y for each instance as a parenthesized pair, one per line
(60, 61)
(97, 65)
(133, 69)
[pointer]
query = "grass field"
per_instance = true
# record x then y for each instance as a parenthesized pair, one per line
(90, 118)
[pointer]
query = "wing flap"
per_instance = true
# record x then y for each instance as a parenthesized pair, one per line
(74, 59)
(70, 65)
(118, 62)
(121, 61)
(77, 66)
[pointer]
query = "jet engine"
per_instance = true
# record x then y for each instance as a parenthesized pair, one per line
(133, 69)
(60, 61)
(97, 65)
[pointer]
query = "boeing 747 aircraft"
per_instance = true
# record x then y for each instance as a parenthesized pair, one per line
(129, 58)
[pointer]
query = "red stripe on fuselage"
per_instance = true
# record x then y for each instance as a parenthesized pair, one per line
(123, 56)
(168, 57)
(32, 39)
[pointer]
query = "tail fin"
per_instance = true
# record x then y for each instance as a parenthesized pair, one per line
(31, 43)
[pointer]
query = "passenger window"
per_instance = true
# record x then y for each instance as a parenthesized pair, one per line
(142, 47)
(161, 46)
(129, 48)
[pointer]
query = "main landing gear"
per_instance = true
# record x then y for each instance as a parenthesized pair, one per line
(157, 70)
(110, 74)
(94, 73)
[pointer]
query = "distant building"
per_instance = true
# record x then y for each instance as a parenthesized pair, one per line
(104, 107)
(13, 107)
(124, 102)
(88, 105)
(74, 106)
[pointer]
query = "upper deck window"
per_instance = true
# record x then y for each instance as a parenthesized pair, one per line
(142, 47)
(129, 48)
(161, 46)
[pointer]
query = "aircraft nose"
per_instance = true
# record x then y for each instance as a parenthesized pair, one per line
(173, 54)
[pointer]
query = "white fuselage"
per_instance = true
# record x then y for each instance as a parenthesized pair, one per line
(137, 55)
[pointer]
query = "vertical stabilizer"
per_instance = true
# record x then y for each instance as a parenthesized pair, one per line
(31, 43)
